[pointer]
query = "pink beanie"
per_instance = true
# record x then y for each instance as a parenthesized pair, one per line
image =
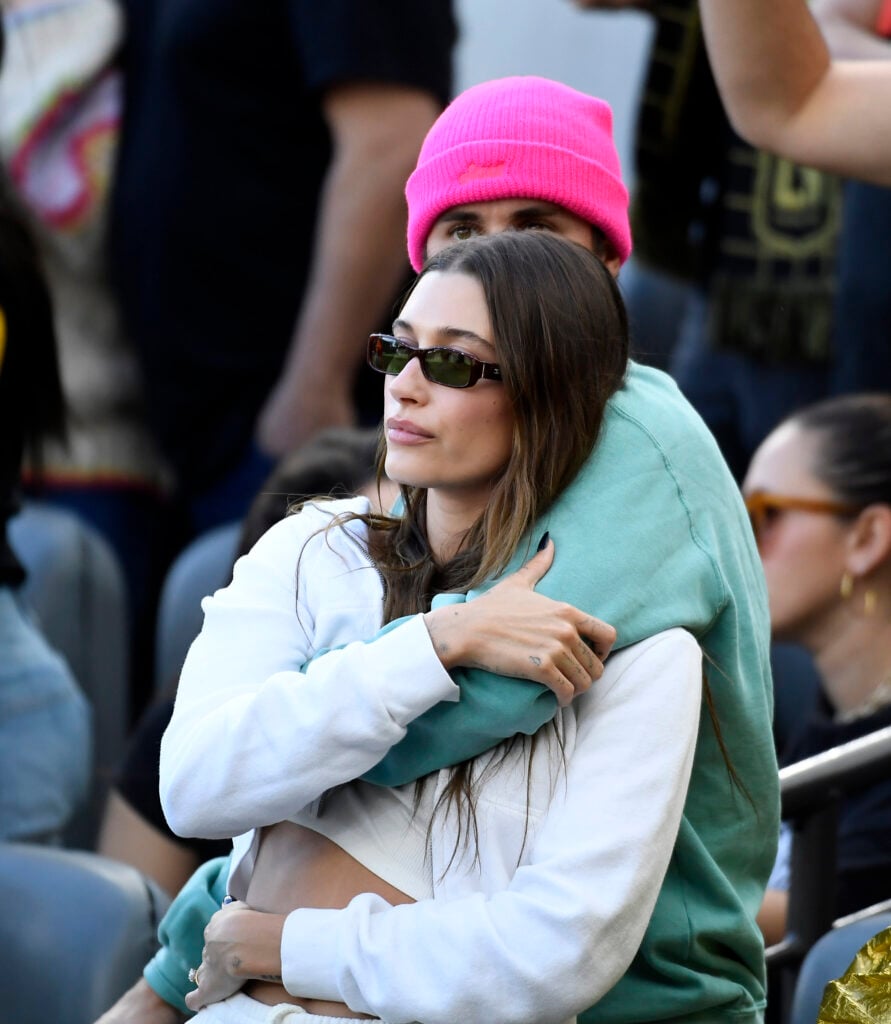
(517, 138)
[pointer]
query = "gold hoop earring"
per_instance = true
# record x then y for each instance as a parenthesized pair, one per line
(870, 599)
(846, 587)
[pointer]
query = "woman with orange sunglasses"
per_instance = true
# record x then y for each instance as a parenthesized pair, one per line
(819, 494)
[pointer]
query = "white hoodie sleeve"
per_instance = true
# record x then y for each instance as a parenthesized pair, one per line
(253, 738)
(570, 921)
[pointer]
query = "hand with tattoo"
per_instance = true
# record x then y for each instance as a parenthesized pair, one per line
(239, 944)
(513, 631)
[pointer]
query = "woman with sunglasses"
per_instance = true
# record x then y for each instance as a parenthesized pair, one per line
(819, 493)
(518, 885)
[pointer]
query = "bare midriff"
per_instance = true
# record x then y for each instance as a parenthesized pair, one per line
(296, 867)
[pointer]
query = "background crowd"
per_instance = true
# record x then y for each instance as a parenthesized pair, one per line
(202, 217)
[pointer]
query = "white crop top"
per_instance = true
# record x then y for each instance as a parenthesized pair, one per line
(381, 829)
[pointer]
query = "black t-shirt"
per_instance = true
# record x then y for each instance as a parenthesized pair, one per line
(223, 152)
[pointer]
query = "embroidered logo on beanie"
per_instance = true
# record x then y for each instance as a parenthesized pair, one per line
(476, 171)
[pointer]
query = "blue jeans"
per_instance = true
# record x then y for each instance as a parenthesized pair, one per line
(44, 731)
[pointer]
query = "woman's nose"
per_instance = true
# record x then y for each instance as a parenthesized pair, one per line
(409, 384)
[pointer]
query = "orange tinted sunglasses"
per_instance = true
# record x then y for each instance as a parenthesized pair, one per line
(763, 506)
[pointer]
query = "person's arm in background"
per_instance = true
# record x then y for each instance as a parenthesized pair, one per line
(855, 28)
(772, 916)
(775, 905)
(141, 1004)
(359, 257)
(128, 836)
(783, 93)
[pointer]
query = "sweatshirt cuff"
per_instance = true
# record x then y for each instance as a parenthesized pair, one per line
(309, 953)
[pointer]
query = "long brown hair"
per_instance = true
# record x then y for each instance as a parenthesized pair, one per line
(561, 334)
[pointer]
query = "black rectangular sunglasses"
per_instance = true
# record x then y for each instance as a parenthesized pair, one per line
(446, 366)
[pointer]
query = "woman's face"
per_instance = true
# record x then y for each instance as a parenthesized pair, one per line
(452, 441)
(803, 553)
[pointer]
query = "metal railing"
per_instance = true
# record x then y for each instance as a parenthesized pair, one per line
(811, 792)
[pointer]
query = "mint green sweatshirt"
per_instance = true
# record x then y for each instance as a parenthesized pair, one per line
(651, 534)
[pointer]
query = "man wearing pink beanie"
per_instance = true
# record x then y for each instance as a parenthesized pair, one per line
(651, 535)
(509, 141)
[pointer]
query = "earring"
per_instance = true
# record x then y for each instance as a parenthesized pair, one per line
(846, 587)
(869, 602)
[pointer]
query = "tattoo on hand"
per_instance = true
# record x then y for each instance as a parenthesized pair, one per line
(536, 661)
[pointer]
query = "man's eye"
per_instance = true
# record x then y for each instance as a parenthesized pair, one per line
(536, 225)
(463, 231)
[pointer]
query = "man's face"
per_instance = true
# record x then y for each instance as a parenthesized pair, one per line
(472, 219)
